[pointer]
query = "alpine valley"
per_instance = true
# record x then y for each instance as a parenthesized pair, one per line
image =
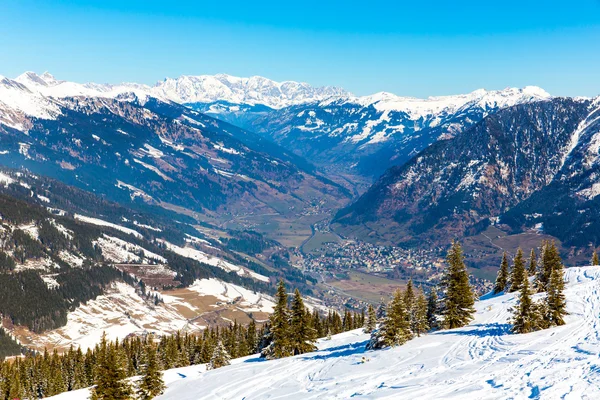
(179, 211)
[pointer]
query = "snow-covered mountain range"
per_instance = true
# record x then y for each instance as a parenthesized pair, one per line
(483, 360)
(191, 89)
(328, 125)
(366, 135)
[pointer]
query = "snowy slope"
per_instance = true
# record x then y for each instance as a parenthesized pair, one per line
(480, 361)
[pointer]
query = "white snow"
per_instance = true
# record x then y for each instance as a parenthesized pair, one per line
(480, 361)
(153, 169)
(251, 301)
(120, 251)
(5, 180)
(100, 222)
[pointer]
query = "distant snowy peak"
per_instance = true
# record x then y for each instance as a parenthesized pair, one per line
(485, 99)
(253, 90)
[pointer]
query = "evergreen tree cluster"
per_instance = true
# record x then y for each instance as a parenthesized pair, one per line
(109, 364)
(411, 313)
(547, 275)
(294, 330)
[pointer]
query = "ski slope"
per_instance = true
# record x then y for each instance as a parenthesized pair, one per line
(480, 361)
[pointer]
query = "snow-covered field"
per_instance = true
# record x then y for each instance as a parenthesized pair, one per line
(480, 361)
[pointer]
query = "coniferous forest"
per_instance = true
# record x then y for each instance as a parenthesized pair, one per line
(109, 363)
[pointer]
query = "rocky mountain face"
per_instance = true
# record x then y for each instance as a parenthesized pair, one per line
(525, 165)
(130, 146)
(366, 135)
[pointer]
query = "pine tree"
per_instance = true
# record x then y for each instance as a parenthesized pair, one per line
(409, 303)
(110, 375)
(595, 260)
(432, 309)
(502, 278)
(555, 299)
(220, 357)
(550, 261)
(251, 337)
(395, 328)
(524, 319)
(459, 297)
(371, 322)
(151, 385)
(381, 310)
(420, 322)
(279, 346)
(302, 334)
(518, 273)
(532, 269)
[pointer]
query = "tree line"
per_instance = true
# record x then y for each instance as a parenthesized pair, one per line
(410, 313)
(290, 330)
(545, 276)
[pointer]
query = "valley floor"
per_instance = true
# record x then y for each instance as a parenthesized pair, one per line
(480, 361)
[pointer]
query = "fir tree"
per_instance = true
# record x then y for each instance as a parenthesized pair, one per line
(595, 260)
(432, 308)
(371, 322)
(381, 310)
(409, 302)
(151, 385)
(302, 334)
(550, 261)
(518, 273)
(251, 337)
(532, 269)
(420, 323)
(395, 328)
(555, 299)
(502, 278)
(459, 297)
(524, 319)
(110, 375)
(279, 330)
(220, 357)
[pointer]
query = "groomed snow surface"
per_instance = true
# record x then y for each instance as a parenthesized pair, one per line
(480, 361)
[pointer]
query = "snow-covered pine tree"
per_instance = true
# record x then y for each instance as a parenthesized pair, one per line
(395, 328)
(555, 298)
(371, 321)
(518, 272)
(279, 332)
(420, 322)
(151, 384)
(532, 268)
(524, 318)
(302, 334)
(459, 297)
(220, 357)
(503, 274)
(595, 260)
(432, 308)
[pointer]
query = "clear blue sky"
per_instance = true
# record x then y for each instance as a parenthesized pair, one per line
(418, 48)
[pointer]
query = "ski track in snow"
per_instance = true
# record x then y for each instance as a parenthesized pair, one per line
(480, 361)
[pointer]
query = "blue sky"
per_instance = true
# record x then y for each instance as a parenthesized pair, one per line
(417, 48)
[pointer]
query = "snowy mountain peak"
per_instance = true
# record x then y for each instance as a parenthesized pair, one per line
(433, 105)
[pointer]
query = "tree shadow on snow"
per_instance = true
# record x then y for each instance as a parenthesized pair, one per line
(339, 351)
(482, 330)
